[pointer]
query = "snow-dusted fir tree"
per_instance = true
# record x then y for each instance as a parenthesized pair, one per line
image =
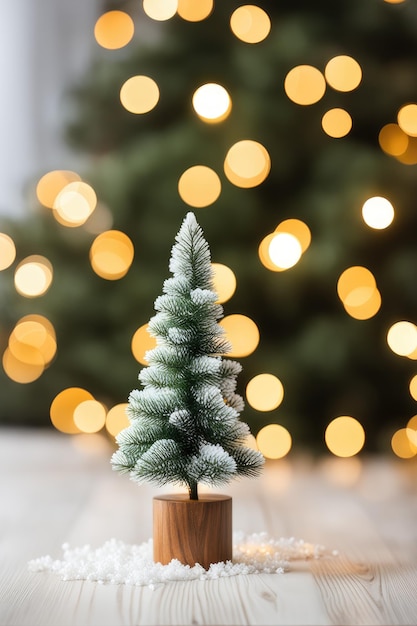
(185, 426)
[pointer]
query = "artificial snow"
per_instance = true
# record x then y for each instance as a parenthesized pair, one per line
(116, 562)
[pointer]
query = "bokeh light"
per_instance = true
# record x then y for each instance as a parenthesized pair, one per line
(63, 407)
(305, 85)
(7, 251)
(139, 94)
(409, 157)
(247, 163)
(407, 119)
(284, 250)
(377, 212)
(141, 342)
(160, 10)
(413, 388)
(297, 229)
(193, 11)
(242, 333)
(111, 254)
(114, 30)
(33, 276)
(357, 289)
(263, 253)
(401, 444)
(23, 372)
(364, 306)
(274, 441)
(212, 103)
(52, 183)
(343, 73)
(89, 416)
(74, 204)
(393, 140)
(336, 123)
(117, 419)
(402, 338)
(264, 392)
(33, 340)
(199, 186)
(345, 436)
(250, 23)
(224, 281)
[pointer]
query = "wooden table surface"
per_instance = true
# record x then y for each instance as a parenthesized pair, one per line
(55, 488)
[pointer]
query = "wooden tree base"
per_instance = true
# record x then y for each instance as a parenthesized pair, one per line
(192, 531)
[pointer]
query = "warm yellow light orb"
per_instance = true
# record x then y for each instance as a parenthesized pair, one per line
(7, 251)
(33, 340)
(413, 388)
(199, 186)
(141, 343)
(139, 94)
(242, 333)
(114, 30)
(305, 85)
(117, 419)
(336, 123)
(353, 279)
(23, 372)
(193, 11)
(401, 444)
(247, 163)
(111, 254)
(224, 281)
(407, 119)
(264, 392)
(33, 276)
(90, 416)
(212, 102)
(363, 303)
(263, 253)
(378, 212)
(343, 73)
(284, 250)
(63, 406)
(52, 183)
(345, 436)
(75, 203)
(160, 10)
(393, 140)
(250, 23)
(297, 229)
(402, 338)
(274, 441)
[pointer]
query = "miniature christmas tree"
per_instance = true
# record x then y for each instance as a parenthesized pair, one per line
(185, 426)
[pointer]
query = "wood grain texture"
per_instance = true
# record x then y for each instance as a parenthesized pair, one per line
(192, 531)
(53, 490)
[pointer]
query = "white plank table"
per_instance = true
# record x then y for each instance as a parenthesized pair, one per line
(53, 490)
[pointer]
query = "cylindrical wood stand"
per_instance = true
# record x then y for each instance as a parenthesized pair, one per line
(192, 531)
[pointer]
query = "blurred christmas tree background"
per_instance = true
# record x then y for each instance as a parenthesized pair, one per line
(329, 363)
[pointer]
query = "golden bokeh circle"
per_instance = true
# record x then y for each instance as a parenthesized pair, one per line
(139, 94)
(274, 441)
(264, 392)
(242, 333)
(199, 186)
(250, 23)
(305, 85)
(114, 30)
(343, 73)
(345, 436)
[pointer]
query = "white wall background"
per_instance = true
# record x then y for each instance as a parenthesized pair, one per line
(45, 45)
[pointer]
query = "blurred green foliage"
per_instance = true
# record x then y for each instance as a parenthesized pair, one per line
(329, 363)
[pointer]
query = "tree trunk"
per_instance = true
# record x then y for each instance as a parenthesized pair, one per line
(192, 531)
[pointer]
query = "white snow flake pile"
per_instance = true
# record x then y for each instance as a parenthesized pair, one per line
(116, 562)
